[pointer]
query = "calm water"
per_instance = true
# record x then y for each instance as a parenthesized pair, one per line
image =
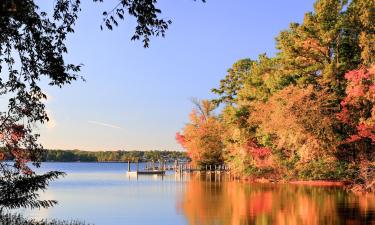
(102, 194)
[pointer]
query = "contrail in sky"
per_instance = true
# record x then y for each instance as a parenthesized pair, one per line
(104, 124)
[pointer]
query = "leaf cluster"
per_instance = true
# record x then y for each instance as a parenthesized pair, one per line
(147, 17)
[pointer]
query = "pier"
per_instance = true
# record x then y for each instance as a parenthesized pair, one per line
(160, 167)
(150, 169)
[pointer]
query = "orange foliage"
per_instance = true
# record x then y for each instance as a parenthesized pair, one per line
(13, 134)
(202, 138)
(12, 137)
(2, 156)
(314, 46)
(300, 121)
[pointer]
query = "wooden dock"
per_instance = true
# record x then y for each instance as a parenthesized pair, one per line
(179, 167)
(160, 170)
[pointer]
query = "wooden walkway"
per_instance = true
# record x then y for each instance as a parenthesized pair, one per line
(180, 167)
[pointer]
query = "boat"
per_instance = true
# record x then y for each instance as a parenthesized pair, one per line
(161, 172)
(147, 172)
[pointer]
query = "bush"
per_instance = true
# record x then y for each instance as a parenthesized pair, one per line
(17, 219)
(323, 170)
(254, 171)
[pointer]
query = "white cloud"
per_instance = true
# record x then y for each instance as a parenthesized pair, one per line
(104, 124)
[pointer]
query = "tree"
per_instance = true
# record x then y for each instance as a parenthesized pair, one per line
(361, 19)
(147, 15)
(323, 47)
(302, 127)
(358, 116)
(284, 114)
(31, 49)
(202, 136)
(233, 82)
(250, 80)
(243, 145)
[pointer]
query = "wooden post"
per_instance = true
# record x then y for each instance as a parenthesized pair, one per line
(128, 166)
(137, 166)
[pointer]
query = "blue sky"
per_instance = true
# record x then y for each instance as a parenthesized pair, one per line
(136, 98)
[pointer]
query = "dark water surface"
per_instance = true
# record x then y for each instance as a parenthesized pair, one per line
(103, 194)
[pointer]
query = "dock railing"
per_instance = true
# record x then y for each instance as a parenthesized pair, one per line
(179, 167)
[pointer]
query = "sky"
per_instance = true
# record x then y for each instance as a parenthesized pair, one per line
(137, 98)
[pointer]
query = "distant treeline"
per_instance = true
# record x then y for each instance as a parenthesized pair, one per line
(111, 156)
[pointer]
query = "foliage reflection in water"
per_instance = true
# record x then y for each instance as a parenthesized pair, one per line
(102, 194)
(210, 201)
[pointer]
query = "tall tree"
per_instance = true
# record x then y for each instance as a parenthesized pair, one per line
(31, 48)
(358, 116)
(284, 112)
(323, 47)
(233, 82)
(202, 137)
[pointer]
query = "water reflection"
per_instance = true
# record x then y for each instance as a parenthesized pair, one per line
(210, 201)
(103, 194)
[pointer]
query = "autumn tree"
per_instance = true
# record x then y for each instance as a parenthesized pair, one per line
(358, 116)
(283, 113)
(245, 145)
(328, 43)
(202, 136)
(31, 48)
(301, 125)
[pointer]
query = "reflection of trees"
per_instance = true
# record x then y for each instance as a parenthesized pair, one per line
(233, 203)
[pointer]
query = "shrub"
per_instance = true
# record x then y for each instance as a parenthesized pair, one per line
(17, 219)
(323, 170)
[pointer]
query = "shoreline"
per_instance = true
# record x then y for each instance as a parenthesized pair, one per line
(322, 183)
(347, 185)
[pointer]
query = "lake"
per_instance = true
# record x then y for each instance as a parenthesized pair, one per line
(103, 194)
